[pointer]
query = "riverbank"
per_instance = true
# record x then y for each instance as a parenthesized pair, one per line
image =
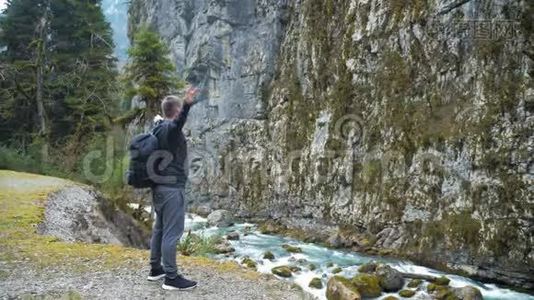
(40, 266)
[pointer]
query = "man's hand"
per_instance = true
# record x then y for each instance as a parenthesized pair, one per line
(190, 95)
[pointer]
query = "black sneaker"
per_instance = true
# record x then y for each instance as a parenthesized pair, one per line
(178, 283)
(156, 274)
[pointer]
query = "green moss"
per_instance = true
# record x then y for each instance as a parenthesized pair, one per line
(337, 270)
(441, 280)
(292, 249)
(368, 285)
(249, 263)
(407, 293)
(414, 283)
(282, 271)
(312, 267)
(316, 283)
(268, 255)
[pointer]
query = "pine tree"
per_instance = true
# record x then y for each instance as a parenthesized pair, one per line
(82, 57)
(150, 73)
(23, 30)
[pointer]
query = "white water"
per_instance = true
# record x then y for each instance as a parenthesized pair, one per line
(255, 244)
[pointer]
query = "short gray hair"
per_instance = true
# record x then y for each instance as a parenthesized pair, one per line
(169, 104)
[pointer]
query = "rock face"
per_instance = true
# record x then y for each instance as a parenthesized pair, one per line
(80, 214)
(400, 120)
(220, 218)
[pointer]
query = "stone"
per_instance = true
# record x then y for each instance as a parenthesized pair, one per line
(390, 298)
(367, 267)
(441, 280)
(268, 255)
(340, 288)
(220, 218)
(295, 269)
(391, 280)
(316, 283)
(233, 236)
(249, 263)
(414, 283)
(367, 284)
(223, 248)
(292, 249)
(337, 270)
(282, 271)
(407, 293)
(468, 293)
(312, 267)
(203, 210)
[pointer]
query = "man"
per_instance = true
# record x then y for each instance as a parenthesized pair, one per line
(168, 194)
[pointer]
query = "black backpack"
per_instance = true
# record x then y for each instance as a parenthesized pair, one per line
(141, 148)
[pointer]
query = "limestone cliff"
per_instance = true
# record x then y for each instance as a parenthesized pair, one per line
(411, 121)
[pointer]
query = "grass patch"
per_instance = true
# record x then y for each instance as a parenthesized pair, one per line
(196, 245)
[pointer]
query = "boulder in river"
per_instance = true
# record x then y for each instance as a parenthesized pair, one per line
(368, 285)
(233, 236)
(407, 293)
(223, 248)
(337, 270)
(340, 288)
(249, 263)
(292, 249)
(369, 267)
(441, 280)
(221, 218)
(468, 293)
(268, 255)
(316, 283)
(282, 271)
(391, 280)
(414, 283)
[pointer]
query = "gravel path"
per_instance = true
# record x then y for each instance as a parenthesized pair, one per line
(28, 273)
(25, 282)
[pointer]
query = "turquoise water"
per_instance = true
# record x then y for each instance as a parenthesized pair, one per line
(255, 244)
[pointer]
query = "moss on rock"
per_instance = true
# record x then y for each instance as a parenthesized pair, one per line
(282, 271)
(268, 255)
(414, 283)
(367, 284)
(341, 288)
(407, 293)
(292, 249)
(249, 263)
(316, 283)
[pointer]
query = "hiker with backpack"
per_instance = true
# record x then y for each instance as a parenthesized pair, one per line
(158, 161)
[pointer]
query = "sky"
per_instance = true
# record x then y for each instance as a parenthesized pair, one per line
(2, 4)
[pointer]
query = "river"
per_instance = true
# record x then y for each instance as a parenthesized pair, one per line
(254, 244)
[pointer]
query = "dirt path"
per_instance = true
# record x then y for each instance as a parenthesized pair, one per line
(41, 267)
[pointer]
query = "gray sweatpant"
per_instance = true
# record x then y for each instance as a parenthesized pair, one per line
(169, 204)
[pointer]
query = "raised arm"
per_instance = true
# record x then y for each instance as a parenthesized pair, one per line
(188, 102)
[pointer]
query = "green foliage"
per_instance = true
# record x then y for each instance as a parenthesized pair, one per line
(150, 73)
(195, 245)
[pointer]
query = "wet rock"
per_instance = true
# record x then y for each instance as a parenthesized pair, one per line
(390, 298)
(203, 210)
(316, 283)
(340, 288)
(268, 255)
(467, 293)
(271, 227)
(249, 263)
(220, 218)
(312, 267)
(441, 280)
(302, 261)
(292, 249)
(282, 271)
(390, 279)
(233, 236)
(295, 269)
(337, 270)
(329, 264)
(223, 248)
(367, 267)
(407, 293)
(414, 283)
(367, 284)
